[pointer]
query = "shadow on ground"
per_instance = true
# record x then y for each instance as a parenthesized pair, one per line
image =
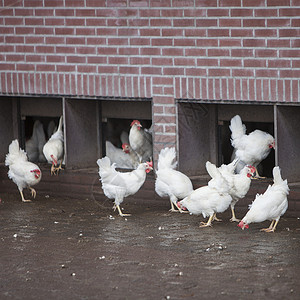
(60, 248)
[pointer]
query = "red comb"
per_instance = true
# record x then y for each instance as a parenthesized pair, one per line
(137, 122)
(150, 164)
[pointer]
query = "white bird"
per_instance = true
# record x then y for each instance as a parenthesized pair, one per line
(268, 206)
(117, 185)
(23, 173)
(140, 141)
(170, 182)
(54, 149)
(208, 200)
(251, 148)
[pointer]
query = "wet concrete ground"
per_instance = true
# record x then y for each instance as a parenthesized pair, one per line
(61, 248)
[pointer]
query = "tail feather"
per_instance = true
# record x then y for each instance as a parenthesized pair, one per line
(166, 158)
(238, 129)
(276, 175)
(105, 167)
(211, 169)
(14, 153)
(60, 125)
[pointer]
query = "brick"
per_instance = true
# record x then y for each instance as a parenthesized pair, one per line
(218, 52)
(158, 90)
(150, 51)
(255, 63)
(76, 59)
(241, 12)
(206, 3)
(289, 53)
(254, 22)
(14, 21)
(95, 41)
(230, 42)
(295, 22)
(242, 73)
(287, 85)
(14, 39)
(65, 12)
(25, 67)
(254, 43)
(95, 22)
(44, 31)
(34, 40)
(53, 3)
(6, 66)
(127, 13)
(289, 73)
(253, 3)
(265, 33)
(241, 32)
(295, 91)
(34, 21)
(173, 71)
(19, 30)
(184, 61)
(245, 89)
(160, 3)
(181, 3)
(242, 53)
(24, 48)
(129, 70)
(96, 60)
(172, 13)
(195, 32)
(116, 22)
(45, 68)
(218, 72)
(265, 53)
(87, 69)
(289, 32)
(230, 63)
(172, 32)
(266, 73)
(64, 49)
(295, 64)
(195, 72)
(118, 60)
(195, 51)
(229, 22)
(85, 31)
(125, 51)
(55, 40)
(55, 59)
(289, 12)
(229, 3)
(140, 60)
(75, 40)
(183, 22)
(23, 12)
(149, 13)
(238, 89)
(163, 80)
(207, 62)
(139, 3)
(278, 2)
(151, 70)
(29, 3)
(217, 32)
(160, 23)
(278, 43)
(161, 42)
(172, 52)
(64, 31)
(43, 12)
(117, 41)
(35, 58)
(74, 3)
(139, 23)
(184, 42)
(265, 12)
(54, 22)
(211, 89)
(195, 13)
(140, 41)
(218, 12)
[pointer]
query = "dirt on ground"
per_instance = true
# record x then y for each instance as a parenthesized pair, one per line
(63, 248)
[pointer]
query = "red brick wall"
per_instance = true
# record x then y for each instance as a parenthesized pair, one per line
(204, 49)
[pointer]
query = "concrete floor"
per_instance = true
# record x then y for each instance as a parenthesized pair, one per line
(63, 248)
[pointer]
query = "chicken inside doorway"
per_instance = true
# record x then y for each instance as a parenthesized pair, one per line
(225, 148)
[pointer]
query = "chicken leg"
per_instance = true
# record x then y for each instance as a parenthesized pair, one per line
(119, 210)
(272, 226)
(23, 199)
(33, 192)
(233, 218)
(203, 224)
(55, 170)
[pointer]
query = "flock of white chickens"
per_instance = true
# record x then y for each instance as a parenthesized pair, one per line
(228, 183)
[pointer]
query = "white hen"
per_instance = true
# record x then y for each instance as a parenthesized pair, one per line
(54, 149)
(251, 148)
(269, 206)
(239, 184)
(117, 185)
(140, 141)
(208, 200)
(170, 182)
(22, 172)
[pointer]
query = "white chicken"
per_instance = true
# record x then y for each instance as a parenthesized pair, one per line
(239, 184)
(117, 185)
(140, 141)
(170, 182)
(208, 200)
(121, 157)
(22, 172)
(34, 146)
(135, 161)
(268, 206)
(54, 149)
(251, 148)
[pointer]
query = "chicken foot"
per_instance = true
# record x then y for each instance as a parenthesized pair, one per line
(233, 218)
(54, 170)
(272, 226)
(33, 192)
(119, 210)
(203, 224)
(23, 199)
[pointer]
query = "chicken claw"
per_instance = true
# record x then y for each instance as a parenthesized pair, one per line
(271, 228)
(208, 224)
(33, 192)
(23, 199)
(120, 212)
